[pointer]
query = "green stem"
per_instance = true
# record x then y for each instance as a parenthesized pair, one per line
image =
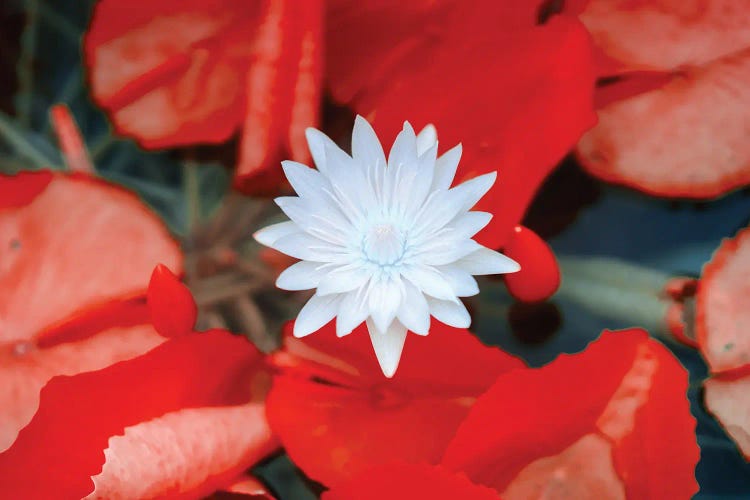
(616, 289)
(25, 63)
(22, 146)
(191, 190)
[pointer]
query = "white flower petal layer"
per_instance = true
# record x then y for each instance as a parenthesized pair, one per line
(383, 240)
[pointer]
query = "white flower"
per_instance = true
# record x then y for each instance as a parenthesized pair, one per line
(386, 243)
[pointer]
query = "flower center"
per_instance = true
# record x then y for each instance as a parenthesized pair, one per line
(384, 244)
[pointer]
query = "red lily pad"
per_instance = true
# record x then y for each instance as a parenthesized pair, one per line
(611, 422)
(76, 243)
(25, 368)
(517, 94)
(407, 482)
(191, 452)
(181, 72)
(336, 415)
(682, 137)
(722, 320)
(63, 446)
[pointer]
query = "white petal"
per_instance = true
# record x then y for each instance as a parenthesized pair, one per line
(404, 150)
(344, 279)
(317, 219)
(486, 261)
(304, 246)
(385, 299)
(445, 168)
(307, 182)
(315, 314)
(318, 141)
(451, 313)
(414, 313)
(353, 310)
(472, 190)
(388, 345)
(429, 281)
(270, 234)
(468, 224)
(303, 275)
(416, 186)
(366, 147)
(349, 184)
(463, 283)
(426, 138)
(445, 250)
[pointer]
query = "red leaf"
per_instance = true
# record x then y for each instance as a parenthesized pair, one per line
(409, 482)
(612, 420)
(173, 309)
(77, 415)
(683, 136)
(19, 190)
(539, 276)
(191, 453)
(722, 318)
(76, 243)
(517, 94)
(180, 72)
(336, 414)
(94, 341)
(728, 399)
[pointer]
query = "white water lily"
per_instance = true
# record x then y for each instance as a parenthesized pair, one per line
(387, 243)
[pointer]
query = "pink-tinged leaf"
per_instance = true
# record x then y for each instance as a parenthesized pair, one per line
(673, 124)
(407, 482)
(77, 243)
(516, 111)
(337, 385)
(26, 368)
(685, 139)
(728, 399)
(723, 305)
(687, 33)
(65, 441)
(171, 72)
(172, 307)
(187, 453)
(180, 72)
(611, 422)
(286, 69)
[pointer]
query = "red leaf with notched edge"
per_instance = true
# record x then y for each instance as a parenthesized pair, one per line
(192, 452)
(408, 482)
(684, 134)
(76, 243)
(611, 422)
(77, 415)
(180, 72)
(173, 309)
(722, 318)
(518, 95)
(336, 414)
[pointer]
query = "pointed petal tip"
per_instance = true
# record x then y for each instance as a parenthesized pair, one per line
(388, 346)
